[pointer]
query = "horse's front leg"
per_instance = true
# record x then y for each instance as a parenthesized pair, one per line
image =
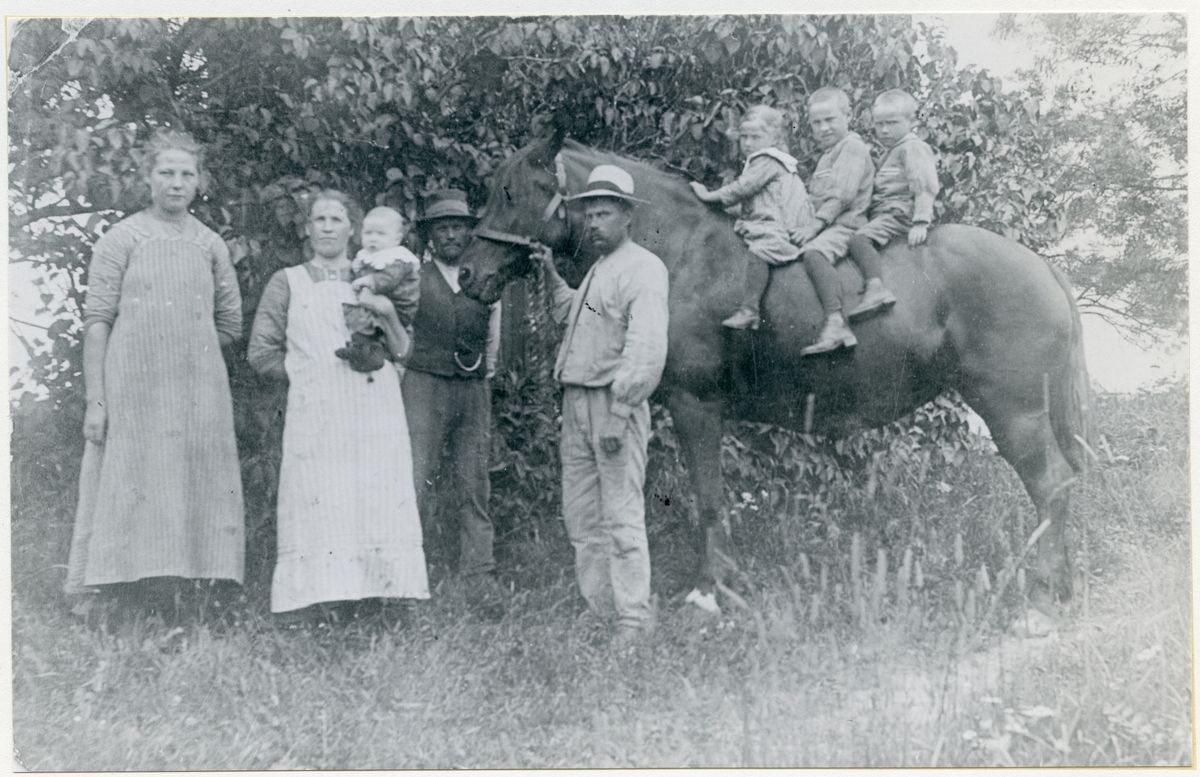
(698, 427)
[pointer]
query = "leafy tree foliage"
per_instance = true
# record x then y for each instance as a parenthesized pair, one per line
(392, 108)
(1115, 86)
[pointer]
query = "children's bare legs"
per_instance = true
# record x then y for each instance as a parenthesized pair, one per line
(876, 296)
(758, 273)
(834, 334)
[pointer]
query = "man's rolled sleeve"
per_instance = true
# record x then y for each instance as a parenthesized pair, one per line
(492, 350)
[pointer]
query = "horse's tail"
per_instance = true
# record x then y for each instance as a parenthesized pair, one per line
(1070, 408)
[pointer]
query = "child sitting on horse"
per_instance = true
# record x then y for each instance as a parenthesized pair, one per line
(840, 192)
(773, 201)
(906, 183)
(384, 267)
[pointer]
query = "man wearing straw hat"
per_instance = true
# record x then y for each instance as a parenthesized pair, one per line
(610, 361)
(446, 393)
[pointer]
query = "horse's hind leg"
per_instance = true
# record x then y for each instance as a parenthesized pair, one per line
(698, 427)
(1026, 440)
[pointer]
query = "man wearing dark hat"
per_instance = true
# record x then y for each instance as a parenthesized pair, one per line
(609, 363)
(446, 391)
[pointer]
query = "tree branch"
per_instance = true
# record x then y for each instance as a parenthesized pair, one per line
(19, 221)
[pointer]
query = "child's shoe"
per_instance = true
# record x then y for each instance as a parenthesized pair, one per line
(834, 335)
(744, 318)
(876, 297)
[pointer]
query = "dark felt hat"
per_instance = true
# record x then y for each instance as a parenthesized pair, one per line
(447, 204)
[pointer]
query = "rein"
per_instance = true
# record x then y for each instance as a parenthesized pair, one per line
(557, 205)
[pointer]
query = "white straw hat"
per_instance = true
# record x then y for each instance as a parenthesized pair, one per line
(608, 181)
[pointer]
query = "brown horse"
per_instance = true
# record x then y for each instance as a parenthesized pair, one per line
(975, 312)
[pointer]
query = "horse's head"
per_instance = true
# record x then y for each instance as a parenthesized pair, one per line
(525, 205)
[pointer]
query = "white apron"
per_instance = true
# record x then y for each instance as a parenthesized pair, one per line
(348, 526)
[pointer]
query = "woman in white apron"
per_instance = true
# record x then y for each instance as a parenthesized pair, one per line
(348, 527)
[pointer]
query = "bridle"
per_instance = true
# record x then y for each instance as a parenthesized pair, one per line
(556, 206)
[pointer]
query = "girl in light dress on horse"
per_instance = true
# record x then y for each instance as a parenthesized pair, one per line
(348, 528)
(773, 201)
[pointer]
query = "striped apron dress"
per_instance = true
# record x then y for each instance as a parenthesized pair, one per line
(162, 495)
(348, 526)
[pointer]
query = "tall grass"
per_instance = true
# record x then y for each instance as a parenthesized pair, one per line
(832, 650)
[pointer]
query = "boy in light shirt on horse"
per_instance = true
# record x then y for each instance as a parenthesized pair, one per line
(902, 200)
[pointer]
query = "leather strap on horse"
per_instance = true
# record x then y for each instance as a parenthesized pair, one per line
(504, 237)
(557, 205)
(558, 200)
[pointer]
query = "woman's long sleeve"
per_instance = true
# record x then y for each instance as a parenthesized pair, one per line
(268, 337)
(227, 298)
(106, 272)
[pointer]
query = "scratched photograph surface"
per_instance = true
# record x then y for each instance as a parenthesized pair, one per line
(613, 388)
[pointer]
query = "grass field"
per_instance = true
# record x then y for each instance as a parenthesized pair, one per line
(833, 661)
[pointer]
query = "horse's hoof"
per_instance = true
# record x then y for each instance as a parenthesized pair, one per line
(706, 602)
(1033, 623)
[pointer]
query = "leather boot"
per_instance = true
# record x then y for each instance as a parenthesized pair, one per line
(835, 334)
(876, 297)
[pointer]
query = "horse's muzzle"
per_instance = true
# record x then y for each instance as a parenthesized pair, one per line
(485, 288)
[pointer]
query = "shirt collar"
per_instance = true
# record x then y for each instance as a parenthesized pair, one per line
(787, 160)
(450, 273)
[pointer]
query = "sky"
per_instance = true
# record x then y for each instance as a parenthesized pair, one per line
(1115, 364)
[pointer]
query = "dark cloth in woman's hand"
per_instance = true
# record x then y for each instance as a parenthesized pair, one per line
(364, 353)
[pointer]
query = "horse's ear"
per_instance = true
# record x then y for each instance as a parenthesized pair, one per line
(552, 143)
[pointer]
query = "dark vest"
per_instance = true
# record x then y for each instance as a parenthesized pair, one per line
(449, 331)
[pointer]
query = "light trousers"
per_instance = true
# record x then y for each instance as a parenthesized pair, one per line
(604, 505)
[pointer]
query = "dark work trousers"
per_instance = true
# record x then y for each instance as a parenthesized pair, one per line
(455, 412)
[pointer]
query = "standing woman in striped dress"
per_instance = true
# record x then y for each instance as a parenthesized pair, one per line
(348, 528)
(160, 493)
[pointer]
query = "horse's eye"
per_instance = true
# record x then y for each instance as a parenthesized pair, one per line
(506, 194)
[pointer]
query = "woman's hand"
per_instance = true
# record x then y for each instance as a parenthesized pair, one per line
(397, 338)
(376, 302)
(95, 421)
(702, 192)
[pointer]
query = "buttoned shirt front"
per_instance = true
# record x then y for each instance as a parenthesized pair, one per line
(616, 326)
(840, 187)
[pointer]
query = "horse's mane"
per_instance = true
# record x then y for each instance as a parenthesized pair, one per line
(634, 166)
(681, 227)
